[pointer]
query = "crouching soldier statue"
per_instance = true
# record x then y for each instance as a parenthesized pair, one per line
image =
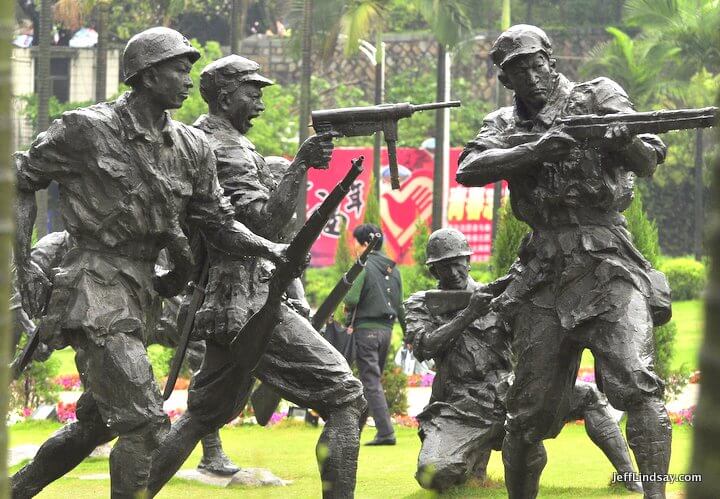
(464, 420)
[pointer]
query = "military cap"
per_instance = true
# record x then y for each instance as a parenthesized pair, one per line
(152, 46)
(229, 72)
(518, 40)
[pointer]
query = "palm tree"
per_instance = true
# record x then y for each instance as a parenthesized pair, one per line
(692, 27)
(638, 65)
(7, 189)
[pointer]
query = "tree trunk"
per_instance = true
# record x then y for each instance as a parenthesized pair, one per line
(706, 453)
(101, 14)
(306, 75)
(7, 190)
(439, 172)
(43, 99)
(237, 25)
(699, 203)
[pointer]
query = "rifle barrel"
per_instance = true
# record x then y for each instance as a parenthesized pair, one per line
(435, 105)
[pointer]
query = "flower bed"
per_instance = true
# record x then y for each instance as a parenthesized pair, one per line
(68, 382)
(415, 380)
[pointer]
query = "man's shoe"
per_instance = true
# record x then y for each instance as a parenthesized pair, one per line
(382, 441)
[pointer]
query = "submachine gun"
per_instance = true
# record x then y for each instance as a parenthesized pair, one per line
(364, 121)
(264, 399)
(589, 128)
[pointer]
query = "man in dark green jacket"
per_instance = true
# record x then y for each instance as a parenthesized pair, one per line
(374, 303)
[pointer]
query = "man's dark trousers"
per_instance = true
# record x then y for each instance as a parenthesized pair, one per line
(371, 350)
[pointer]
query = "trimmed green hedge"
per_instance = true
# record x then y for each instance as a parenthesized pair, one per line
(687, 277)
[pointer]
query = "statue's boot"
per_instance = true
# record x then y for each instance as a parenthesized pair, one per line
(605, 433)
(57, 456)
(214, 459)
(337, 450)
(649, 433)
(523, 466)
(174, 449)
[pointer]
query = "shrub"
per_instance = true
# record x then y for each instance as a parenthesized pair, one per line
(510, 232)
(160, 358)
(318, 283)
(394, 382)
(687, 277)
(35, 386)
(416, 277)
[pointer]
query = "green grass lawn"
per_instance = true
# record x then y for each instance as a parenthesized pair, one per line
(687, 314)
(576, 468)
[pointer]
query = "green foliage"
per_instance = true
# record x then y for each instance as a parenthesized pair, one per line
(275, 132)
(416, 277)
(687, 277)
(510, 232)
(643, 230)
(35, 386)
(318, 283)
(665, 338)
(394, 383)
(481, 272)
(160, 358)
(343, 262)
(56, 108)
(418, 87)
(372, 210)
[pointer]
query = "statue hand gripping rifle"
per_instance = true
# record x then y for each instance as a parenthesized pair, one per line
(581, 284)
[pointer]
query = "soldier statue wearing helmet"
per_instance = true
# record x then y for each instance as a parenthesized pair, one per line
(470, 345)
(581, 284)
(298, 364)
(133, 182)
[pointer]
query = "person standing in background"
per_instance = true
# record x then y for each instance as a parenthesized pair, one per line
(374, 303)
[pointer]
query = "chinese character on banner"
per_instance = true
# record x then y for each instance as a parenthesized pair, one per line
(468, 209)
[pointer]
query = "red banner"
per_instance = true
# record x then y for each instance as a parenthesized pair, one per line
(468, 209)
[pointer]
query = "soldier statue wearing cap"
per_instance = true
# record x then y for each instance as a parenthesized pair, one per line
(581, 283)
(132, 182)
(299, 364)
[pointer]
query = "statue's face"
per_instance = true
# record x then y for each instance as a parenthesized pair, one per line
(244, 105)
(169, 82)
(530, 76)
(451, 273)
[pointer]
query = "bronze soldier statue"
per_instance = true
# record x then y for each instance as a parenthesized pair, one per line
(298, 364)
(464, 420)
(581, 283)
(132, 182)
(48, 253)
